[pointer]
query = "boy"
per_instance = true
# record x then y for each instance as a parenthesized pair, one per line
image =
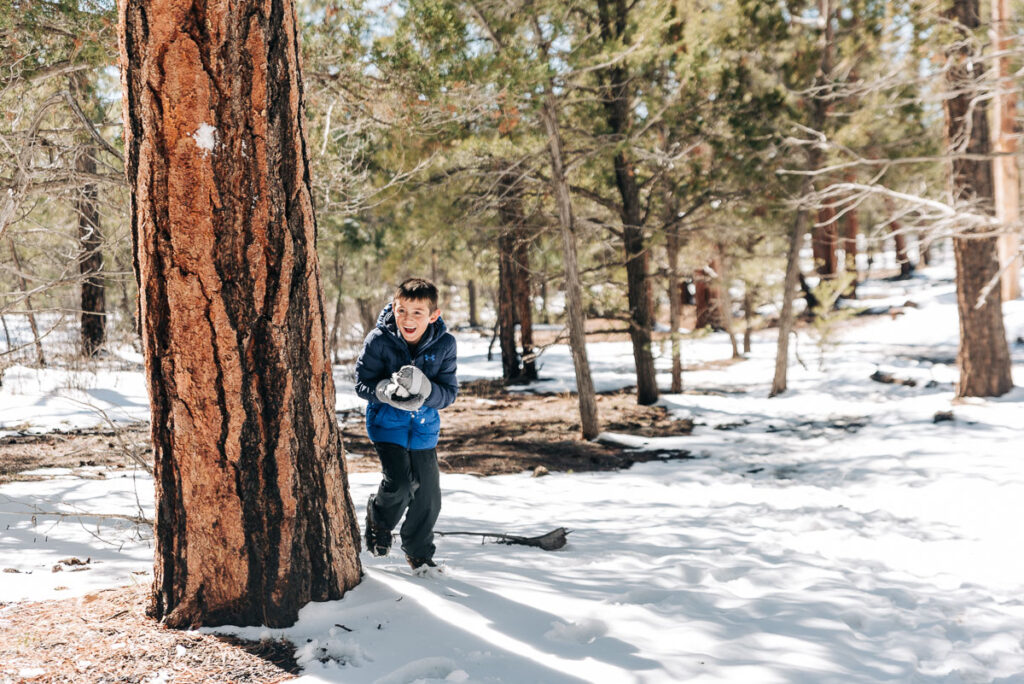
(406, 372)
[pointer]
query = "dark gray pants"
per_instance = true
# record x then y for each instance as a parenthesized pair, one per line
(411, 485)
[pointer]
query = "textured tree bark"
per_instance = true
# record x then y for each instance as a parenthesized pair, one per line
(984, 356)
(253, 515)
(589, 423)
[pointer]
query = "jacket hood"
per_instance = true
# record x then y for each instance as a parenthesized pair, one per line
(386, 322)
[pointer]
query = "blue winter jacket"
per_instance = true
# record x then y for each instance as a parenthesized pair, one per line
(384, 352)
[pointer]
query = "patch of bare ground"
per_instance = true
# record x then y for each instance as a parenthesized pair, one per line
(106, 637)
(78, 449)
(489, 431)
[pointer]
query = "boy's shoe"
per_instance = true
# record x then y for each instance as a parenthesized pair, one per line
(417, 563)
(378, 539)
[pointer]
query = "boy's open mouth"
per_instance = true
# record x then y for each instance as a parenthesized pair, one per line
(409, 330)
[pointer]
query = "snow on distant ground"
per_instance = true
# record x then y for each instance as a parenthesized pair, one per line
(833, 534)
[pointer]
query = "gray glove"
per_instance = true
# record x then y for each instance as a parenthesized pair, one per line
(388, 391)
(413, 380)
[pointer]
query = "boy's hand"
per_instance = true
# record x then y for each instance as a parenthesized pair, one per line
(413, 380)
(389, 392)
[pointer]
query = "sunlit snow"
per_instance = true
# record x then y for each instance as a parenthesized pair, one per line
(833, 534)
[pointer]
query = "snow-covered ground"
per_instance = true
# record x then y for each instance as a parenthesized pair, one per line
(833, 534)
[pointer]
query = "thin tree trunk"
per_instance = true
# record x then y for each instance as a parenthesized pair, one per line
(984, 357)
(253, 515)
(510, 211)
(748, 318)
(338, 272)
(824, 239)
(90, 251)
(474, 313)
(589, 422)
(510, 368)
(705, 298)
(90, 262)
(902, 255)
(675, 301)
(789, 285)
(30, 311)
(724, 301)
(1006, 175)
(523, 301)
(899, 238)
(617, 104)
(851, 228)
(819, 108)
(924, 249)
(545, 314)
(336, 322)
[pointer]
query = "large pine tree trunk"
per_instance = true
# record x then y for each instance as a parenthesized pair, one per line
(589, 422)
(253, 515)
(984, 357)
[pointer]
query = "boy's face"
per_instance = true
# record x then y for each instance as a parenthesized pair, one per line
(412, 317)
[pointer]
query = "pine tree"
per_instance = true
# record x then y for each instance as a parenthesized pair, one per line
(253, 515)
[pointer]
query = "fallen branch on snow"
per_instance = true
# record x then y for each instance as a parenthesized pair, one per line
(553, 540)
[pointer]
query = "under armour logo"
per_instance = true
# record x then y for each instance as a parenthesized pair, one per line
(430, 357)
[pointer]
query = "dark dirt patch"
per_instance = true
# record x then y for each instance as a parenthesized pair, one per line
(487, 431)
(78, 448)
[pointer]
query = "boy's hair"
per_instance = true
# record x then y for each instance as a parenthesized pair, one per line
(418, 288)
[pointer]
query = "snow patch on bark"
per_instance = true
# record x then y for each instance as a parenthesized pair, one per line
(205, 137)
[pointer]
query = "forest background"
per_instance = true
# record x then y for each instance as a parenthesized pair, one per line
(645, 168)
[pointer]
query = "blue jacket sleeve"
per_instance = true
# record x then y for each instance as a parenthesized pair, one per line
(370, 369)
(445, 384)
